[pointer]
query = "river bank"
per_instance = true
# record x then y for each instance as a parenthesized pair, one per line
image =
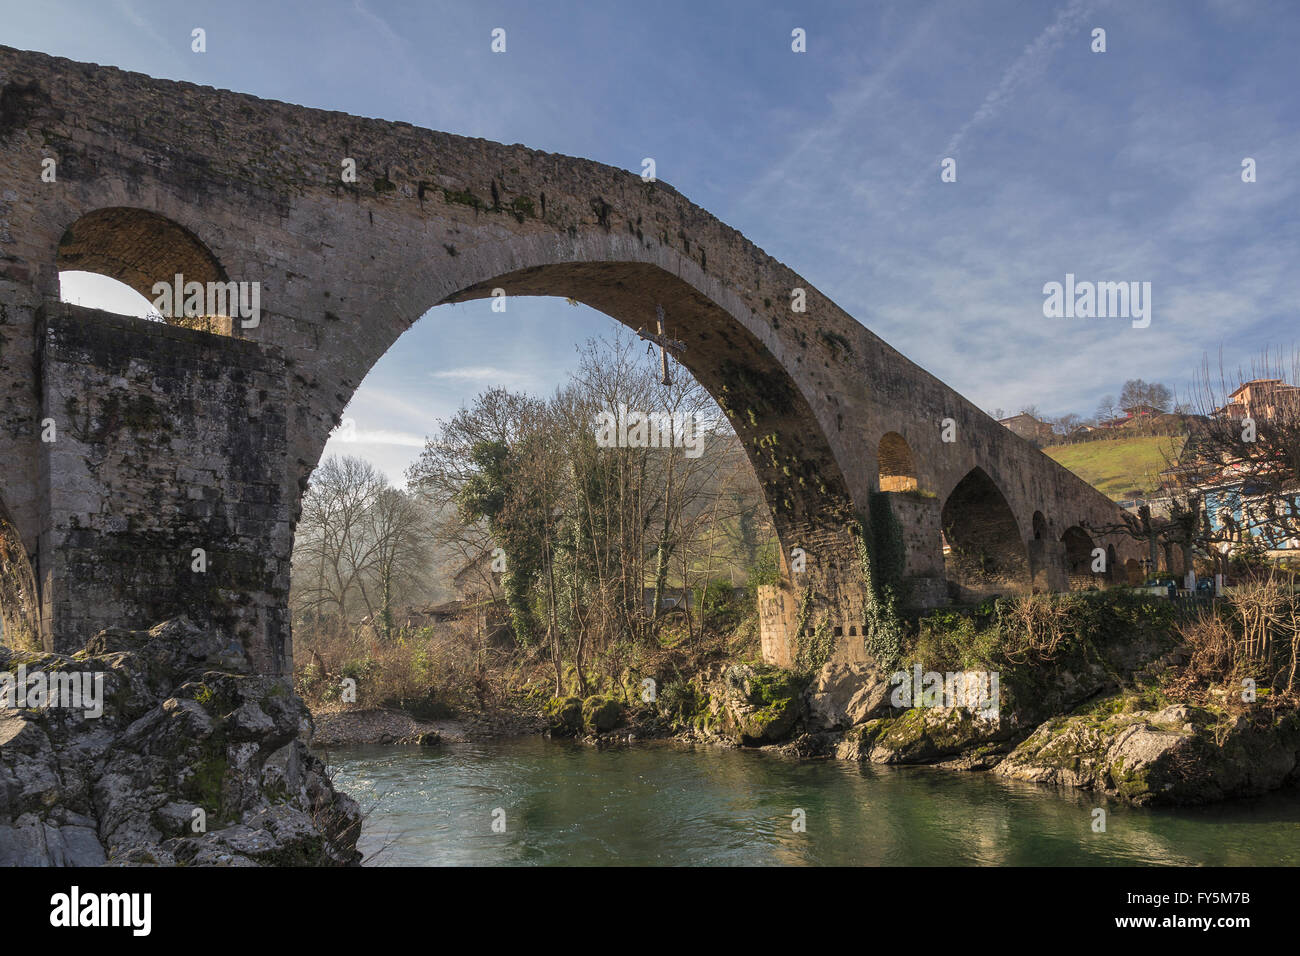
(1126, 744)
(1107, 693)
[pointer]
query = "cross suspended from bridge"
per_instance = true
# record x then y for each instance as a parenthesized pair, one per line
(663, 342)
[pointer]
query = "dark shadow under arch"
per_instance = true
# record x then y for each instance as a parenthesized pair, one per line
(19, 602)
(1078, 557)
(986, 553)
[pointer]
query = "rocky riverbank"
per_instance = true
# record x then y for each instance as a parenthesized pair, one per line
(1092, 695)
(337, 725)
(191, 759)
(1089, 733)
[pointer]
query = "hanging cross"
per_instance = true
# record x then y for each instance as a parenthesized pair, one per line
(663, 342)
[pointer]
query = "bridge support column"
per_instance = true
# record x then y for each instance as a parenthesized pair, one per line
(1047, 565)
(163, 490)
(919, 519)
(818, 613)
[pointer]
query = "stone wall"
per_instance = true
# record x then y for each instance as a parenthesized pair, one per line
(169, 441)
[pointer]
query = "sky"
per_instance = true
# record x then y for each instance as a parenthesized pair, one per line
(1122, 165)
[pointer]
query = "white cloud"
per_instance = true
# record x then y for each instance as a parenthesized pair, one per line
(485, 374)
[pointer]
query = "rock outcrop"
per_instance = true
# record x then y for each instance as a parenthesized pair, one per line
(753, 704)
(1178, 755)
(194, 760)
(844, 695)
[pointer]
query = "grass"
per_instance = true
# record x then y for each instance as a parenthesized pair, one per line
(1120, 466)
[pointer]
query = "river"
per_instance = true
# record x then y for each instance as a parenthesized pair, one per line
(663, 803)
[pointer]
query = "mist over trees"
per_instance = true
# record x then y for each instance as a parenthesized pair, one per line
(363, 547)
(517, 491)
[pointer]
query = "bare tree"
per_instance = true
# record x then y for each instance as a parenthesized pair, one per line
(360, 543)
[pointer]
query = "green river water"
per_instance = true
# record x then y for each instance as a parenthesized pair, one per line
(670, 804)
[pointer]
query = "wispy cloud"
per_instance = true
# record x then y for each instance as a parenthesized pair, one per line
(1032, 62)
(382, 436)
(483, 374)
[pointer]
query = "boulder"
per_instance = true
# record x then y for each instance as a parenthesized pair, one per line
(1178, 755)
(185, 726)
(564, 716)
(601, 714)
(844, 695)
(756, 704)
(926, 735)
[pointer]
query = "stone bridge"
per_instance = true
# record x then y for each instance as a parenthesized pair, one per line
(128, 446)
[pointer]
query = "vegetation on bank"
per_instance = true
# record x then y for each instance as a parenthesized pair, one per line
(566, 554)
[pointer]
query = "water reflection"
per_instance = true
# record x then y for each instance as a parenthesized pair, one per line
(668, 804)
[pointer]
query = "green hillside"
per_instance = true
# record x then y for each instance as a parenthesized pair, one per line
(1120, 466)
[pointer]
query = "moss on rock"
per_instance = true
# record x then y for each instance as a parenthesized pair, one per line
(601, 714)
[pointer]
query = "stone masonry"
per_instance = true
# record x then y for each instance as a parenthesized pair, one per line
(174, 439)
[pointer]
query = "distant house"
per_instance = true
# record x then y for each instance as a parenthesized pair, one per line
(475, 580)
(1237, 509)
(1030, 428)
(1144, 418)
(1260, 398)
(1141, 411)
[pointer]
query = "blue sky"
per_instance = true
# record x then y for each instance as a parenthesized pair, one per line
(1123, 165)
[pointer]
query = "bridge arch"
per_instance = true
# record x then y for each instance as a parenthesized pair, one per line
(986, 552)
(895, 465)
(783, 438)
(1078, 556)
(139, 248)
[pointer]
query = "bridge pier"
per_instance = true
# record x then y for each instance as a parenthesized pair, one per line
(162, 488)
(1047, 565)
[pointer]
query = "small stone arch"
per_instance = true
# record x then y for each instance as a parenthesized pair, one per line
(984, 552)
(897, 468)
(1078, 556)
(141, 248)
(1133, 572)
